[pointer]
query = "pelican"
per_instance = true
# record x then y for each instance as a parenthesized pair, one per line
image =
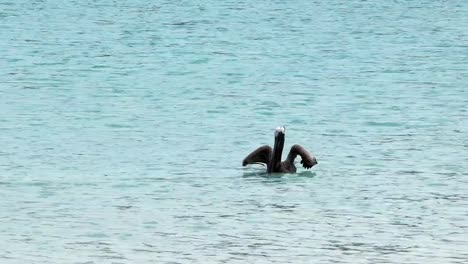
(272, 157)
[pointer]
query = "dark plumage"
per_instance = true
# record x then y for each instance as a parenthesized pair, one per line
(272, 157)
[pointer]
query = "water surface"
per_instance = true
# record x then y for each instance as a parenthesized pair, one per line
(124, 124)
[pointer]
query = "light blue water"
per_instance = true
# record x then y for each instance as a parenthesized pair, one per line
(124, 123)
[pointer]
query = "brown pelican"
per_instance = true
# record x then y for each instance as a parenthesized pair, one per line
(272, 158)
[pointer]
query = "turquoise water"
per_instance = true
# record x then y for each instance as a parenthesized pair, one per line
(124, 124)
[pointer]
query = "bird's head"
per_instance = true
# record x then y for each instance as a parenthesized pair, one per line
(280, 131)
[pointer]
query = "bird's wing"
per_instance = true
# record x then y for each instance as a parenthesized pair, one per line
(262, 155)
(308, 160)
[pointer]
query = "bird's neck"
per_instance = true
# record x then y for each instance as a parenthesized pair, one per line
(277, 152)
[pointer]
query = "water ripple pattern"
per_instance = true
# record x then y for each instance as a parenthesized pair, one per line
(124, 124)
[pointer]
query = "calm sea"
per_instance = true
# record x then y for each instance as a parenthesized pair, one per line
(123, 125)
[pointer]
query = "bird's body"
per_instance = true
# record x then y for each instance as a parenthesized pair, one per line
(272, 157)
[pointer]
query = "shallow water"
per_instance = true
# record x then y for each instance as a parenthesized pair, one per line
(124, 124)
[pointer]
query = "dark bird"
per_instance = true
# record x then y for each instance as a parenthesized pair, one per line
(272, 157)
